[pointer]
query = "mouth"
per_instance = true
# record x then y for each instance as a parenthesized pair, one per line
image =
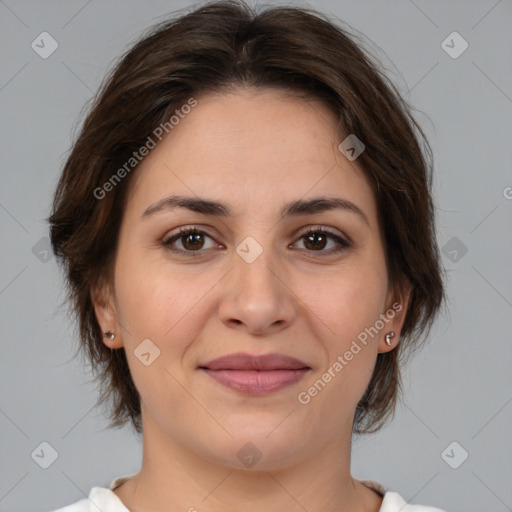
(256, 382)
(256, 375)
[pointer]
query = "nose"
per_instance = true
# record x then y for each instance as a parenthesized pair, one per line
(257, 297)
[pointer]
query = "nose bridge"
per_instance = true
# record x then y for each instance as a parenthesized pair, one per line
(255, 296)
(256, 259)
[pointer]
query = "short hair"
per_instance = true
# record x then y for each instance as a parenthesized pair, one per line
(217, 47)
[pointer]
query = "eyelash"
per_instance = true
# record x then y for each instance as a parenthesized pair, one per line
(167, 242)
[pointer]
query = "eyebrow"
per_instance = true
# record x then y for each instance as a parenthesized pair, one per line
(220, 209)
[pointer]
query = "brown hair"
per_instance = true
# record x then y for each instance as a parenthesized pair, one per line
(217, 46)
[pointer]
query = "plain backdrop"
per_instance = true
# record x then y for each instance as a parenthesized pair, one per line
(458, 391)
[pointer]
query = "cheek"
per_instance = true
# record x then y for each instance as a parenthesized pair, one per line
(351, 299)
(160, 310)
(166, 306)
(349, 304)
(153, 298)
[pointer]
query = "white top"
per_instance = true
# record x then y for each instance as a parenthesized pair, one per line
(101, 498)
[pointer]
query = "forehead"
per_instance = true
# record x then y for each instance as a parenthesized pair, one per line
(269, 125)
(252, 148)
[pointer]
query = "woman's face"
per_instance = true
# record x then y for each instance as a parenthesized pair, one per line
(251, 281)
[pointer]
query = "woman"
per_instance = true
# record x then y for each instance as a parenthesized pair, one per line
(247, 230)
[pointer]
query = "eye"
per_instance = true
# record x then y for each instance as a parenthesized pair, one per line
(192, 240)
(316, 239)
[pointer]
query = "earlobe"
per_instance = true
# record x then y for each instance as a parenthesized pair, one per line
(396, 312)
(106, 316)
(109, 337)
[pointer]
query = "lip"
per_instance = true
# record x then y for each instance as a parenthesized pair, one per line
(256, 375)
(244, 361)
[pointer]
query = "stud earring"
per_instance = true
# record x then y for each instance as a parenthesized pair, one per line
(389, 335)
(109, 334)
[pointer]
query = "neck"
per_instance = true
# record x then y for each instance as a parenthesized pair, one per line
(172, 477)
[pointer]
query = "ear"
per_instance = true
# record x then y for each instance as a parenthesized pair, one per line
(104, 306)
(395, 313)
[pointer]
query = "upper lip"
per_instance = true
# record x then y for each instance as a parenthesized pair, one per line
(244, 361)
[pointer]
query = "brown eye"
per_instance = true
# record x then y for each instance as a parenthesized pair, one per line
(192, 240)
(315, 240)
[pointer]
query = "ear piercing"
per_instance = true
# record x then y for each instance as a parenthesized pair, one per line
(111, 335)
(389, 335)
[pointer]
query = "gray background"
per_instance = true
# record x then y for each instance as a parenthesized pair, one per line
(457, 389)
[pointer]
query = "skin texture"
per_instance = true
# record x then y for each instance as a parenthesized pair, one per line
(254, 150)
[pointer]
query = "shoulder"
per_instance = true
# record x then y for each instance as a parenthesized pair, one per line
(393, 502)
(100, 498)
(79, 506)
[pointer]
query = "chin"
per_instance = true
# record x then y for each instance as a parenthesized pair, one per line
(253, 449)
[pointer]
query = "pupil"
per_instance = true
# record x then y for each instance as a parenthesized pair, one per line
(314, 238)
(194, 238)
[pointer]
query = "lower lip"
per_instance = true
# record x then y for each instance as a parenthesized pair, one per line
(252, 382)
